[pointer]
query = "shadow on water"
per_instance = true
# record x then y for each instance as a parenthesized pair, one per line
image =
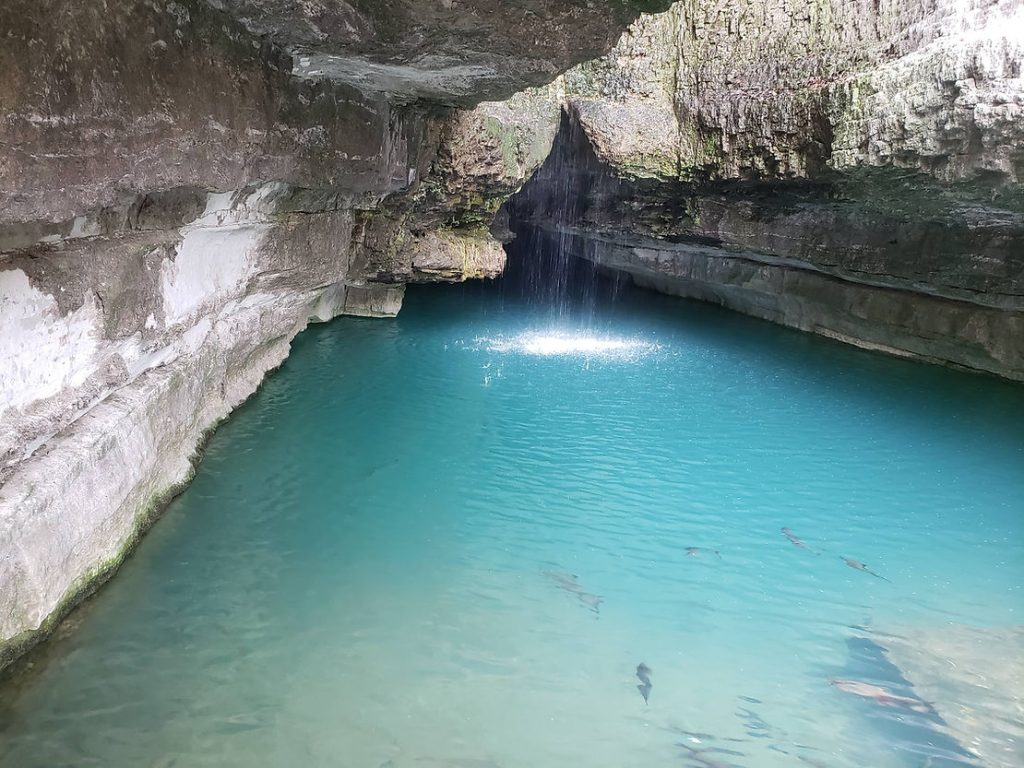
(909, 725)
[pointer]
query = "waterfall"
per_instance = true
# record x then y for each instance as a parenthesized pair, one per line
(547, 264)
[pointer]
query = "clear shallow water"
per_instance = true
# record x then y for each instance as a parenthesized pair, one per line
(374, 565)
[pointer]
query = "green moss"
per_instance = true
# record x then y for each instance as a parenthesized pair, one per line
(915, 195)
(509, 144)
(83, 587)
(692, 207)
(15, 653)
(471, 247)
(650, 165)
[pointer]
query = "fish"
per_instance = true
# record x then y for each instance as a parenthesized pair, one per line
(570, 583)
(812, 761)
(859, 566)
(694, 551)
(696, 737)
(643, 674)
(371, 471)
(699, 756)
(795, 540)
(593, 602)
(880, 695)
(756, 726)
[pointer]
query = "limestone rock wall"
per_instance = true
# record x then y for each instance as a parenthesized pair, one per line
(849, 168)
(783, 89)
(185, 184)
(453, 51)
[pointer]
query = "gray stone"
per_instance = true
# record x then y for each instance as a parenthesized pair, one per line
(185, 184)
(844, 168)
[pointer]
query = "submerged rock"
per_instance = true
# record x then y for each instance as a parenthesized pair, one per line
(973, 677)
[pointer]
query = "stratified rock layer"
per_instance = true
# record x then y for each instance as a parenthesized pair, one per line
(184, 185)
(851, 169)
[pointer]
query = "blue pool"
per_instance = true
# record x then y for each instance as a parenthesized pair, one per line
(452, 538)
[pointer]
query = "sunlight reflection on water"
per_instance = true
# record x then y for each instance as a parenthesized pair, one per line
(570, 344)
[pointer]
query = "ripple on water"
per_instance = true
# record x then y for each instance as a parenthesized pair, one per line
(410, 549)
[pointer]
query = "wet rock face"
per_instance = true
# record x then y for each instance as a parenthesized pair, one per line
(185, 184)
(848, 169)
(126, 97)
(453, 51)
(446, 228)
(782, 89)
(102, 104)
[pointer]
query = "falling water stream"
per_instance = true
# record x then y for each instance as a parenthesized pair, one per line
(451, 539)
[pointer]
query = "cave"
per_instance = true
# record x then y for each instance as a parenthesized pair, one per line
(481, 383)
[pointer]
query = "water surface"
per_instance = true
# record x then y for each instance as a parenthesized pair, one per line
(449, 540)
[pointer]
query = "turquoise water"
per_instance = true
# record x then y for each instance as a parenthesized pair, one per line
(451, 538)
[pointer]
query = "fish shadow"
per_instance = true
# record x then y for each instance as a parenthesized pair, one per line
(909, 725)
